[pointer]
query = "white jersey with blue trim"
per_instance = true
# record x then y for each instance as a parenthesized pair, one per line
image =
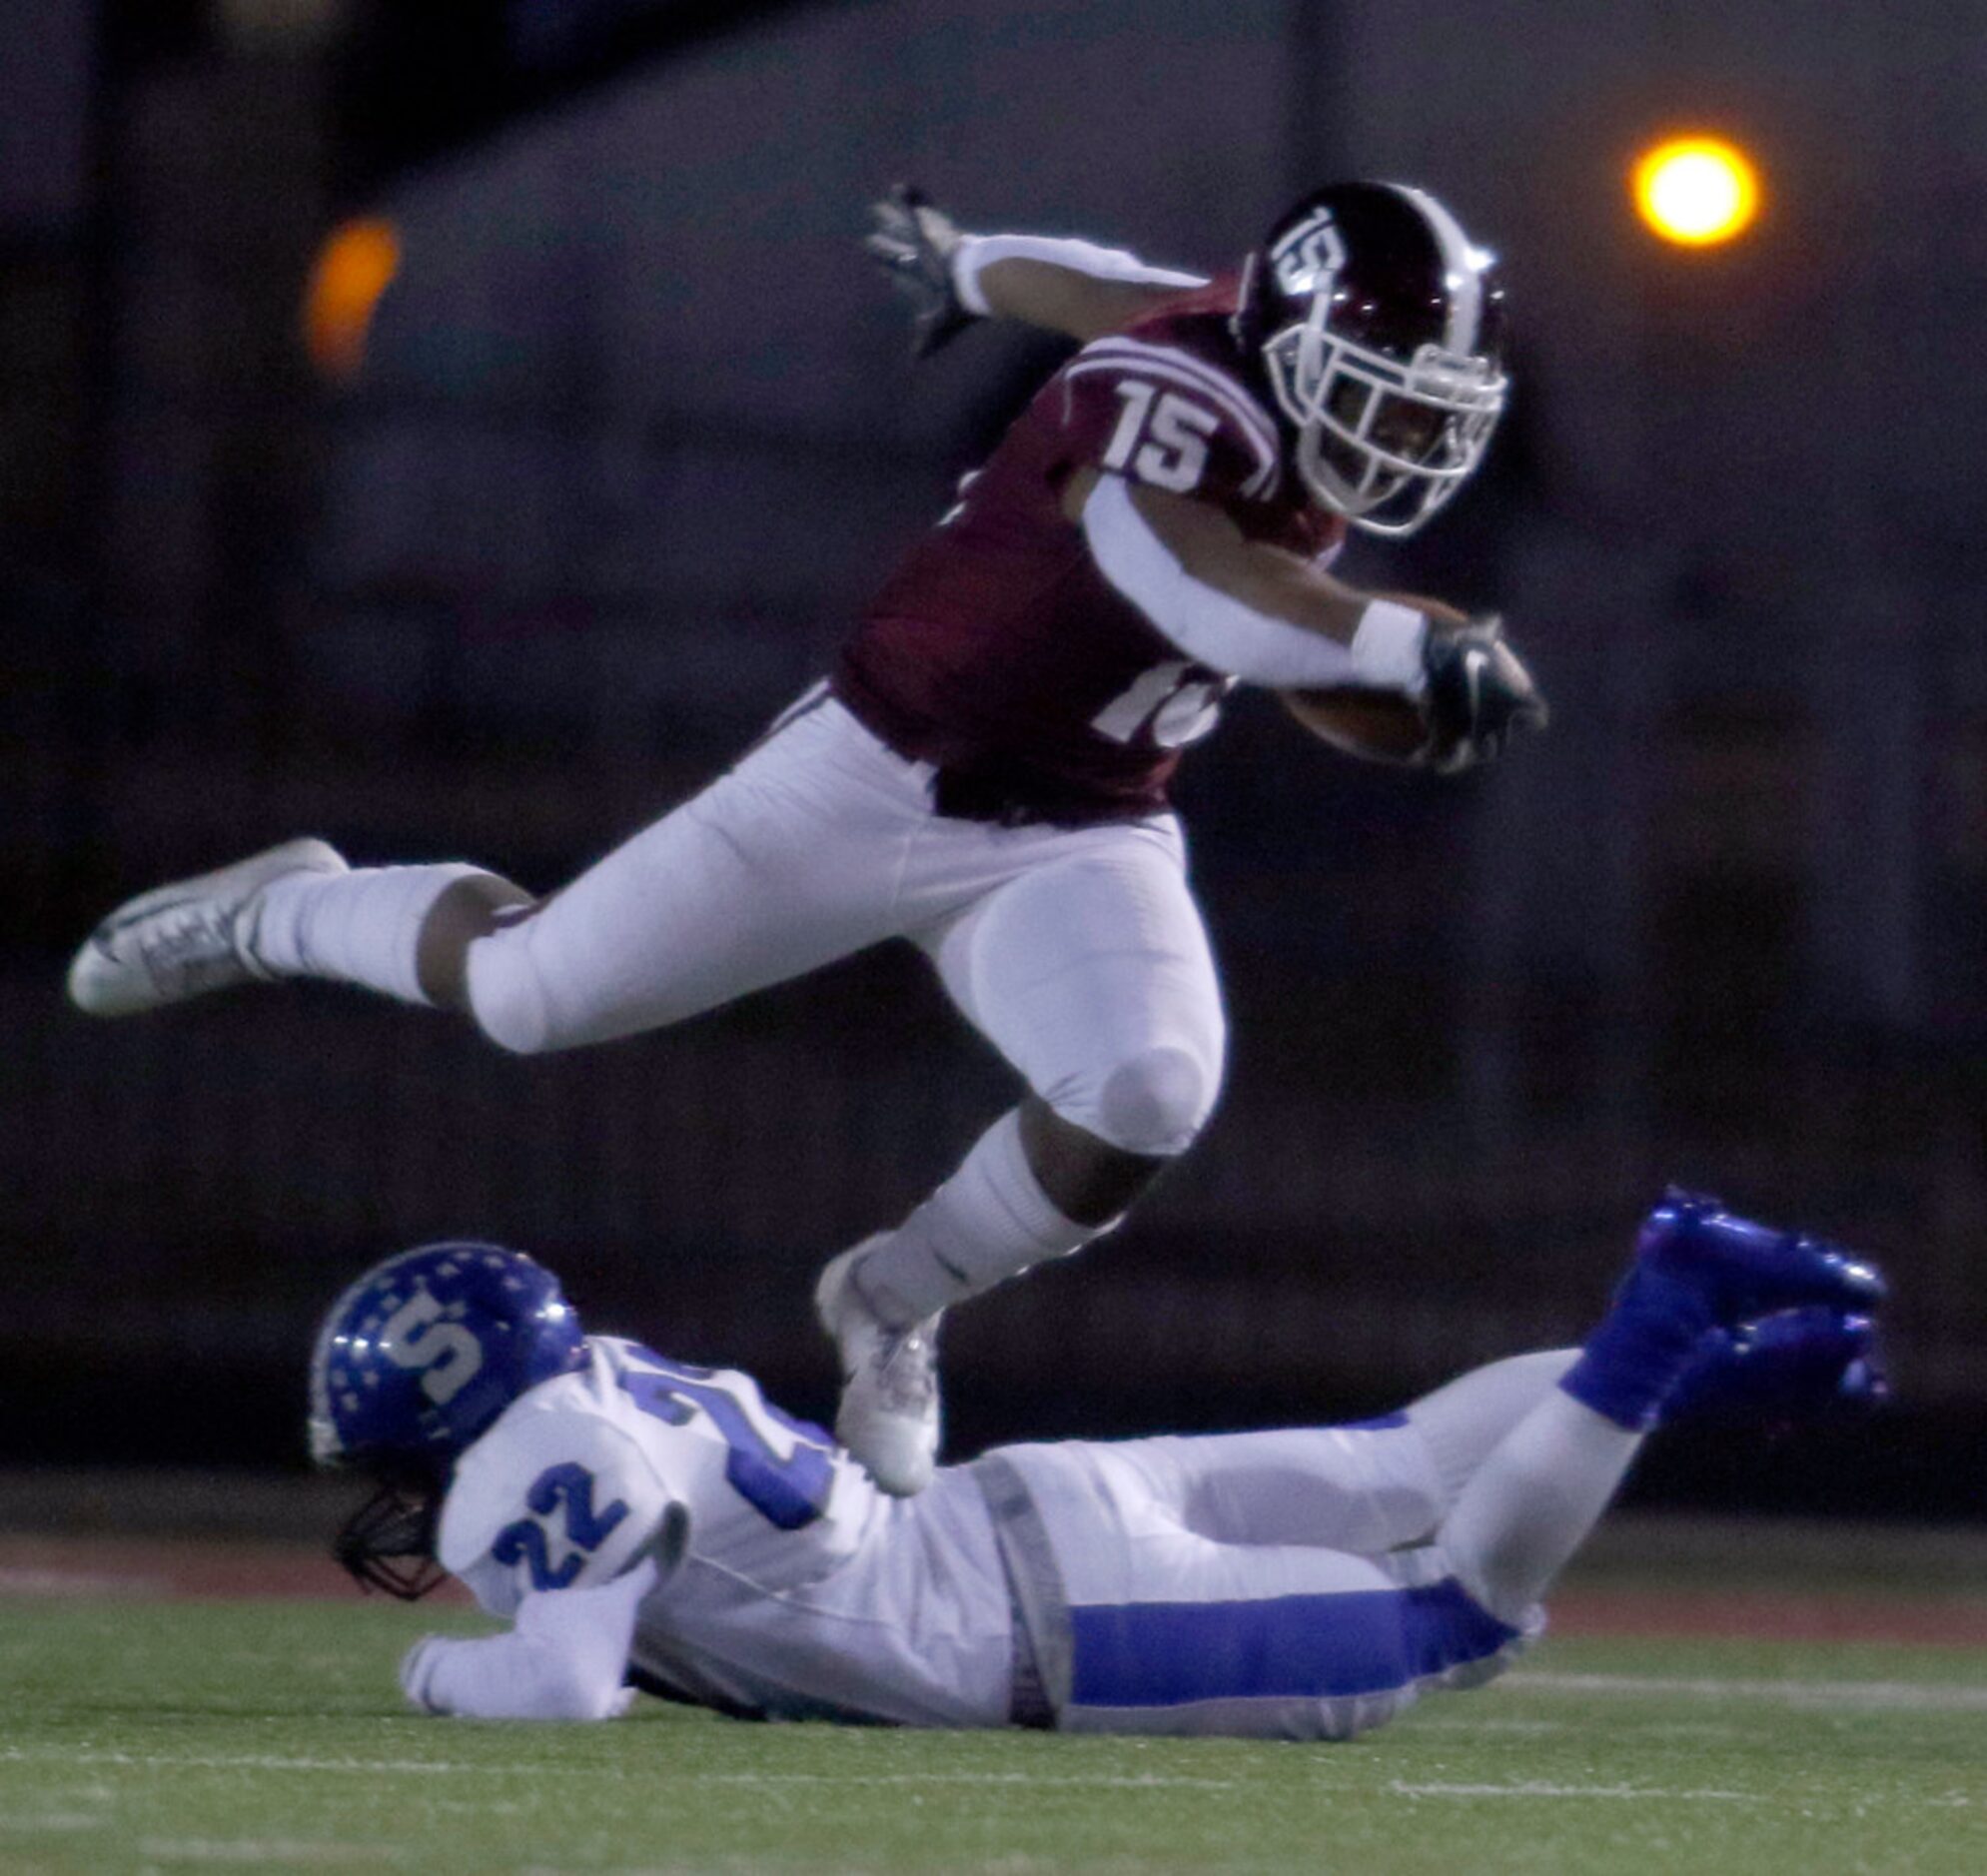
(636, 1453)
(785, 1585)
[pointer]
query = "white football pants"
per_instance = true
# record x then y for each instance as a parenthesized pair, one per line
(1079, 953)
(1289, 1584)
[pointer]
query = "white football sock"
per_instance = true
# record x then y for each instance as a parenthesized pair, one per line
(361, 927)
(990, 1221)
(1464, 1420)
(1534, 1501)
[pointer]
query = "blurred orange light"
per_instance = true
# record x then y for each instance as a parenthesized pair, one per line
(356, 265)
(1697, 190)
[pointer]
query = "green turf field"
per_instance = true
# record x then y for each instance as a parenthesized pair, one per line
(267, 1735)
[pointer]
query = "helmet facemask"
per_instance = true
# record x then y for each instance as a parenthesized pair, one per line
(387, 1544)
(1381, 442)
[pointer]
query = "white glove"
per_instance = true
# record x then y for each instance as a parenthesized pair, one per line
(418, 1672)
(565, 1659)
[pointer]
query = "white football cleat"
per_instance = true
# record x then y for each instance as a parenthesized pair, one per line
(183, 940)
(889, 1412)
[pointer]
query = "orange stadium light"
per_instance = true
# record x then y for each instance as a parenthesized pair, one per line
(356, 265)
(1697, 190)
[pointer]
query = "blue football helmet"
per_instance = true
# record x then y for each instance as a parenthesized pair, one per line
(413, 1364)
(425, 1350)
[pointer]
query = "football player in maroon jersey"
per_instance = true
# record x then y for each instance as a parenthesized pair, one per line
(985, 771)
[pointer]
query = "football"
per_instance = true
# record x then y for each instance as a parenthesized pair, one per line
(1380, 725)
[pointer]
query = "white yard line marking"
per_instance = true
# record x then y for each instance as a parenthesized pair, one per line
(1869, 1695)
(1660, 1794)
(1901, 1696)
(262, 1851)
(1079, 1781)
(269, 1762)
(246, 1762)
(18, 1581)
(54, 1820)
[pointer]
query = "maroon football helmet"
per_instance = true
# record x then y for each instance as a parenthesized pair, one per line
(1381, 329)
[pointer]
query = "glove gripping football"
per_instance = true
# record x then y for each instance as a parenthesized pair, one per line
(1478, 693)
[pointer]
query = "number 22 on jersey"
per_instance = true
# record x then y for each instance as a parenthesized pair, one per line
(567, 1488)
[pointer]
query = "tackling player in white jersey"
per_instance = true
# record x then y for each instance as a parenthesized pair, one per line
(985, 771)
(644, 1523)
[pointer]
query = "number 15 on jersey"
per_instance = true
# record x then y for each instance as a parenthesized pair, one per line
(1161, 438)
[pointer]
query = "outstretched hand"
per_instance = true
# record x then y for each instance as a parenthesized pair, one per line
(1479, 691)
(915, 244)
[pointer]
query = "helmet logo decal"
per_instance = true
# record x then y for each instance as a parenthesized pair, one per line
(424, 1350)
(445, 1354)
(1306, 260)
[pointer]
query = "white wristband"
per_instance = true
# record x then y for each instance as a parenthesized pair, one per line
(967, 259)
(1387, 648)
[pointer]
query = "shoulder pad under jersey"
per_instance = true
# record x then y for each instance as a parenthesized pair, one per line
(1159, 409)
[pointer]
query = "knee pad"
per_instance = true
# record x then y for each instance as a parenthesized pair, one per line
(507, 997)
(1154, 1103)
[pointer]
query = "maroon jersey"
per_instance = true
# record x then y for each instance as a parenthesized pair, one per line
(998, 651)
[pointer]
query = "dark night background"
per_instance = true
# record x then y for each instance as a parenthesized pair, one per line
(635, 434)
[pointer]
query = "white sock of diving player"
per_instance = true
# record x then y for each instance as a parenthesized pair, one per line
(361, 927)
(1533, 1502)
(1464, 1420)
(990, 1221)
